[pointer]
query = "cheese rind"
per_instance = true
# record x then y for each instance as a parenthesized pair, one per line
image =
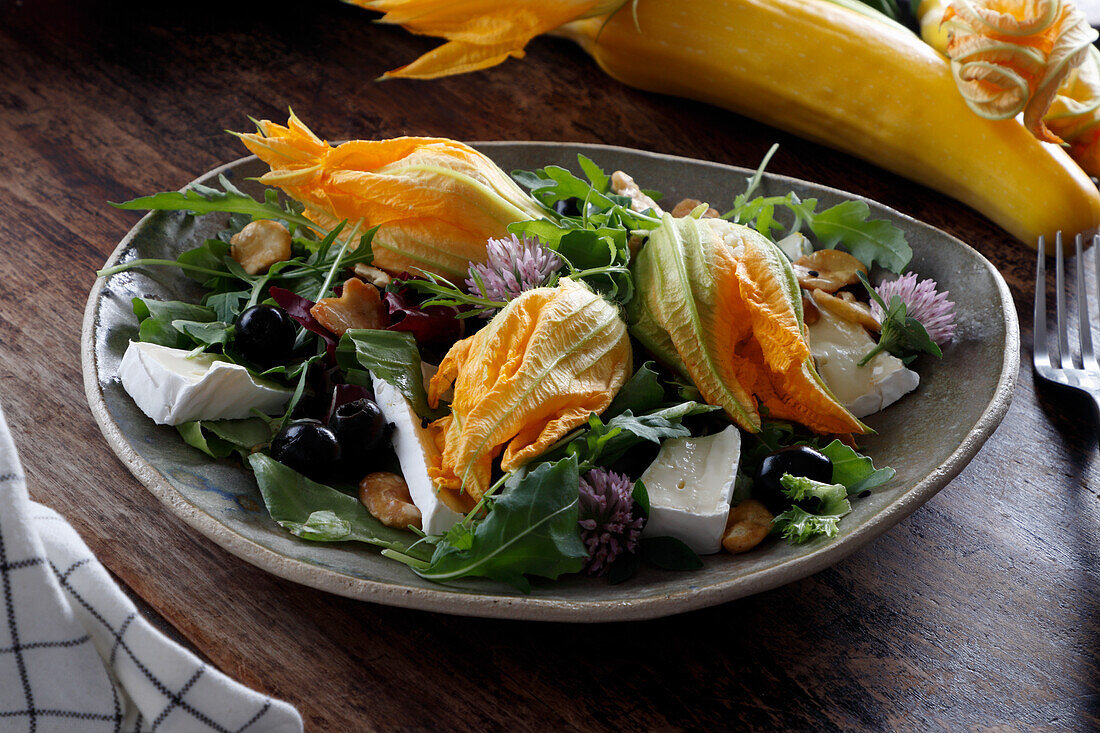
(414, 447)
(838, 346)
(690, 484)
(171, 388)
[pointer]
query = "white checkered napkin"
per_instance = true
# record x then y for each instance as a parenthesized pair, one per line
(75, 655)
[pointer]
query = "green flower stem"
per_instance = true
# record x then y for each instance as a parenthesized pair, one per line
(412, 562)
(606, 270)
(879, 348)
(336, 263)
(161, 263)
(487, 495)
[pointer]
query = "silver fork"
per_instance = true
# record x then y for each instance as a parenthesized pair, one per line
(1064, 370)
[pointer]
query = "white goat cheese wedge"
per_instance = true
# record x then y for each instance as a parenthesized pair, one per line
(414, 448)
(837, 347)
(690, 484)
(171, 388)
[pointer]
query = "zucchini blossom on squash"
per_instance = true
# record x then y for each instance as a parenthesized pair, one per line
(437, 201)
(480, 33)
(536, 371)
(719, 303)
(1013, 56)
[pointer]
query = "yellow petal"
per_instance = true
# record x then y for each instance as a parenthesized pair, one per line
(482, 33)
(437, 201)
(536, 371)
(721, 305)
(1010, 56)
(455, 57)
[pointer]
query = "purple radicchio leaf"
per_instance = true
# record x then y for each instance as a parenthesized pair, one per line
(434, 324)
(297, 308)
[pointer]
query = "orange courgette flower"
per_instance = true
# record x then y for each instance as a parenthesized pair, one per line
(437, 201)
(1011, 56)
(546, 361)
(719, 303)
(1074, 115)
(480, 33)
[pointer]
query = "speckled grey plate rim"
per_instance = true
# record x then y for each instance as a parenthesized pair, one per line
(551, 609)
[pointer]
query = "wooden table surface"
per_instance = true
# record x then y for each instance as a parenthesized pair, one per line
(981, 611)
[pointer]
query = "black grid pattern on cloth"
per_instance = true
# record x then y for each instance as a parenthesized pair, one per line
(18, 649)
(175, 699)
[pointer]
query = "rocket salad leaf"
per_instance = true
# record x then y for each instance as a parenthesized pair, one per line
(531, 530)
(320, 513)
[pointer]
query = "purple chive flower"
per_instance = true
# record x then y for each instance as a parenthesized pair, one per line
(608, 524)
(514, 265)
(923, 302)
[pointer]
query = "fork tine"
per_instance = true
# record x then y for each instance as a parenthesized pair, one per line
(1039, 348)
(1084, 326)
(1065, 361)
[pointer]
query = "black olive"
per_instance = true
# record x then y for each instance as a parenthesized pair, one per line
(568, 207)
(798, 460)
(264, 335)
(308, 447)
(359, 426)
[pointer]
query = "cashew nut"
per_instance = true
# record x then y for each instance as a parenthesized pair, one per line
(359, 306)
(828, 270)
(747, 525)
(847, 309)
(386, 496)
(260, 245)
(686, 206)
(373, 275)
(624, 185)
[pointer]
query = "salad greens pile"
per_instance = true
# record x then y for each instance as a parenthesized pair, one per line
(527, 523)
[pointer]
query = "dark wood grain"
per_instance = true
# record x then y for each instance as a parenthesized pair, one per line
(980, 612)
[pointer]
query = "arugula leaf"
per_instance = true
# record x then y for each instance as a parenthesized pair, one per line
(156, 318)
(624, 568)
(220, 438)
(162, 333)
(600, 257)
(847, 224)
(640, 495)
(205, 334)
(669, 553)
(818, 508)
(246, 434)
(228, 305)
(902, 335)
(601, 444)
(869, 241)
(320, 513)
(170, 310)
(531, 530)
(856, 472)
(389, 355)
(211, 445)
(593, 243)
(199, 199)
(641, 393)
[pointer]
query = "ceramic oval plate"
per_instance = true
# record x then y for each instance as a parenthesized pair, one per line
(928, 437)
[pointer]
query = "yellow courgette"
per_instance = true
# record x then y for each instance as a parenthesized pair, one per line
(853, 82)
